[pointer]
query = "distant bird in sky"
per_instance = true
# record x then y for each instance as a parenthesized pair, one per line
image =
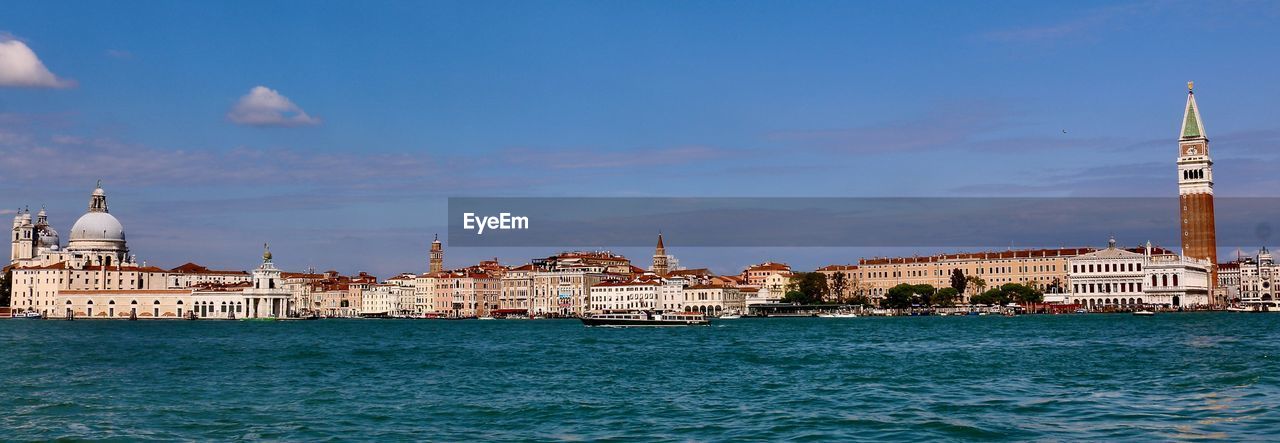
(1064, 131)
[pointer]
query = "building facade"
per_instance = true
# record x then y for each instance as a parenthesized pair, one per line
(1115, 278)
(1257, 280)
(1046, 269)
(713, 299)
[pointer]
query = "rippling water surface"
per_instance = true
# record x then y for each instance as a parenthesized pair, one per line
(1077, 377)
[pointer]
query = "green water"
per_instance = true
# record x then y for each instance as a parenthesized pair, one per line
(1071, 377)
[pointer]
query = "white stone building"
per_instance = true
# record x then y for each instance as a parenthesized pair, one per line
(760, 295)
(95, 259)
(1117, 278)
(1258, 279)
(612, 296)
(714, 300)
(379, 300)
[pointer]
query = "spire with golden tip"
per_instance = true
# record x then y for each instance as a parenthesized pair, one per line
(1192, 126)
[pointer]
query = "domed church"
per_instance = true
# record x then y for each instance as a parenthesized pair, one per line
(97, 238)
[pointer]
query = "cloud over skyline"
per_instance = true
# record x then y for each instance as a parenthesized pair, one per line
(21, 68)
(264, 106)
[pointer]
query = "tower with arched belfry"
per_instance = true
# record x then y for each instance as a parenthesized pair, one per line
(1195, 188)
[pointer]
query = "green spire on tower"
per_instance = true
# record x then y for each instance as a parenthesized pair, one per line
(1192, 127)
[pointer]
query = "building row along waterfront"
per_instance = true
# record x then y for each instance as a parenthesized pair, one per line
(1251, 281)
(95, 276)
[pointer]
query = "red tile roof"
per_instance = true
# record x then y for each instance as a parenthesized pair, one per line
(769, 266)
(192, 268)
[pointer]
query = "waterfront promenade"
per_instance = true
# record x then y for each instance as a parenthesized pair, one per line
(1067, 377)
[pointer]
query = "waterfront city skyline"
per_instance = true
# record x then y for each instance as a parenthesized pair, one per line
(211, 147)
(583, 220)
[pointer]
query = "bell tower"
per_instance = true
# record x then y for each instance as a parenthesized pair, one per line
(660, 258)
(1195, 188)
(437, 256)
(24, 237)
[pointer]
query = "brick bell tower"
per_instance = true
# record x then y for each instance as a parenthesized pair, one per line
(1195, 188)
(660, 258)
(436, 261)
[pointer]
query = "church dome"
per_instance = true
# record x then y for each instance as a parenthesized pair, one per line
(97, 226)
(49, 238)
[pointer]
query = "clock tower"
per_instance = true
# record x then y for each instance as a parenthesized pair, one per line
(1195, 188)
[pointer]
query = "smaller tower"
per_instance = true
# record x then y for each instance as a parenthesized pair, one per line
(437, 255)
(267, 276)
(268, 297)
(24, 237)
(660, 258)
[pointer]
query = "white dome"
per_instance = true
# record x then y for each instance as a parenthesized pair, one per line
(49, 238)
(97, 226)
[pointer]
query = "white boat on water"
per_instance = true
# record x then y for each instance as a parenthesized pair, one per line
(1238, 309)
(729, 317)
(484, 318)
(632, 319)
(838, 315)
(30, 315)
(1143, 313)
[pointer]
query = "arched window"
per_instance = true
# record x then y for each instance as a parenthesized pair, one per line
(90, 302)
(156, 302)
(133, 302)
(1175, 279)
(1153, 280)
(1164, 280)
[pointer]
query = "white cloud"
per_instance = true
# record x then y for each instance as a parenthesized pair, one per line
(19, 67)
(263, 106)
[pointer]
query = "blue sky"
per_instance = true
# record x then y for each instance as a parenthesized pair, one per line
(408, 103)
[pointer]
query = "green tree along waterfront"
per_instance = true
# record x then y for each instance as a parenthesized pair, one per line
(807, 288)
(903, 296)
(839, 285)
(958, 280)
(945, 297)
(1009, 293)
